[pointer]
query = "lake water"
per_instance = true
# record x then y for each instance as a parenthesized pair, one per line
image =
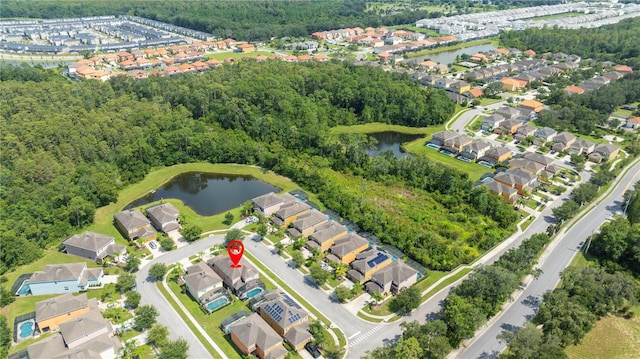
(391, 141)
(209, 193)
(447, 57)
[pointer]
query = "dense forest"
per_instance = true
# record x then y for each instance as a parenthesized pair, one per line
(242, 20)
(615, 42)
(584, 113)
(68, 148)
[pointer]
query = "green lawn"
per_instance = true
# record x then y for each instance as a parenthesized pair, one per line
(368, 318)
(432, 277)
(612, 337)
(383, 127)
(526, 223)
(382, 309)
(489, 101)
(210, 323)
(558, 16)
(418, 148)
(445, 283)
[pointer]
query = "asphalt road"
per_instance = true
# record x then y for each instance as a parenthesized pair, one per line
(168, 316)
(524, 307)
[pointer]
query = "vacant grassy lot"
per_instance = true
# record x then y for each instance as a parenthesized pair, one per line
(418, 148)
(612, 338)
(375, 127)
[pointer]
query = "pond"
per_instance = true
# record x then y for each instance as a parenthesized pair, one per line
(391, 141)
(447, 57)
(209, 193)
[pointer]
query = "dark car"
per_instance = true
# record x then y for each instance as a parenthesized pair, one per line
(313, 350)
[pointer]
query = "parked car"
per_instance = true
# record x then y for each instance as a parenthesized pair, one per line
(153, 245)
(313, 350)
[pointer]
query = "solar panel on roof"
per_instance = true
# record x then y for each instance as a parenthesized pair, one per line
(381, 257)
(289, 301)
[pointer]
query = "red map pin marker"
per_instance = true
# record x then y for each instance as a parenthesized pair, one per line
(235, 250)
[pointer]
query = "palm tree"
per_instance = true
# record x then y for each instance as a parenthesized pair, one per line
(128, 348)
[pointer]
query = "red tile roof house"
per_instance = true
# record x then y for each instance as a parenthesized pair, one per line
(201, 66)
(633, 122)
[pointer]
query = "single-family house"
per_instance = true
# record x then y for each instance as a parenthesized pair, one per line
(238, 280)
(306, 223)
(246, 48)
(491, 122)
(562, 141)
(509, 194)
(498, 154)
(517, 178)
(367, 263)
(50, 313)
(286, 317)
(134, 225)
(529, 53)
(456, 144)
(289, 212)
(460, 86)
(525, 131)
(605, 151)
(633, 122)
(252, 335)
(269, 203)
(623, 68)
(442, 137)
(530, 166)
(544, 135)
(84, 328)
(475, 150)
(508, 126)
(508, 112)
(532, 105)
(281, 312)
(202, 282)
(536, 157)
(326, 235)
(346, 248)
(392, 279)
(573, 90)
(474, 93)
(164, 217)
(94, 246)
(581, 147)
(64, 278)
(510, 84)
(479, 57)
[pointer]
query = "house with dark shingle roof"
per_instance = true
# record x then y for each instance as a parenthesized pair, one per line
(64, 278)
(94, 246)
(491, 122)
(238, 280)
(269, 203)
(517, 178)
(253, 336)
(281, 312)
(392, 279)
(325, 235)
(581, 147)
(442, 137)
(562, 141)
(605, 151)
(51, 312)
(533, 167)
(346, 248)
(544, 135)
(202, 282)
(368, 263)
(509, 194)
(164, 217)
(133, 225)
(289, 212)
(84, 328)
(475, 150)
(306, 223)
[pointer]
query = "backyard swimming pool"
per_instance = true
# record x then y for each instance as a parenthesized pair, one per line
(253, 292)
(217, 304)
(431, 145)
(24, 289)
(26, 329)
(445, 152)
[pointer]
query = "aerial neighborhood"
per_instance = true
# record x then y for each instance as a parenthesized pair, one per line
(352, 192)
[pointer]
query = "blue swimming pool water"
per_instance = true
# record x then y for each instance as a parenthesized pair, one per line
(431, 145)
(445, 152)
(487, 180)
(24, 289)
(300, 198)
(253, 292)
(26, 329)
(217, 304)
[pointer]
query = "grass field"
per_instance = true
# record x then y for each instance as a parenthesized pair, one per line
(384, 127)
(612, 337)
(418, 148)
(558, 16)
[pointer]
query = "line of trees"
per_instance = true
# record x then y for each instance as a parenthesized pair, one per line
(615, 42)
(469, 305)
